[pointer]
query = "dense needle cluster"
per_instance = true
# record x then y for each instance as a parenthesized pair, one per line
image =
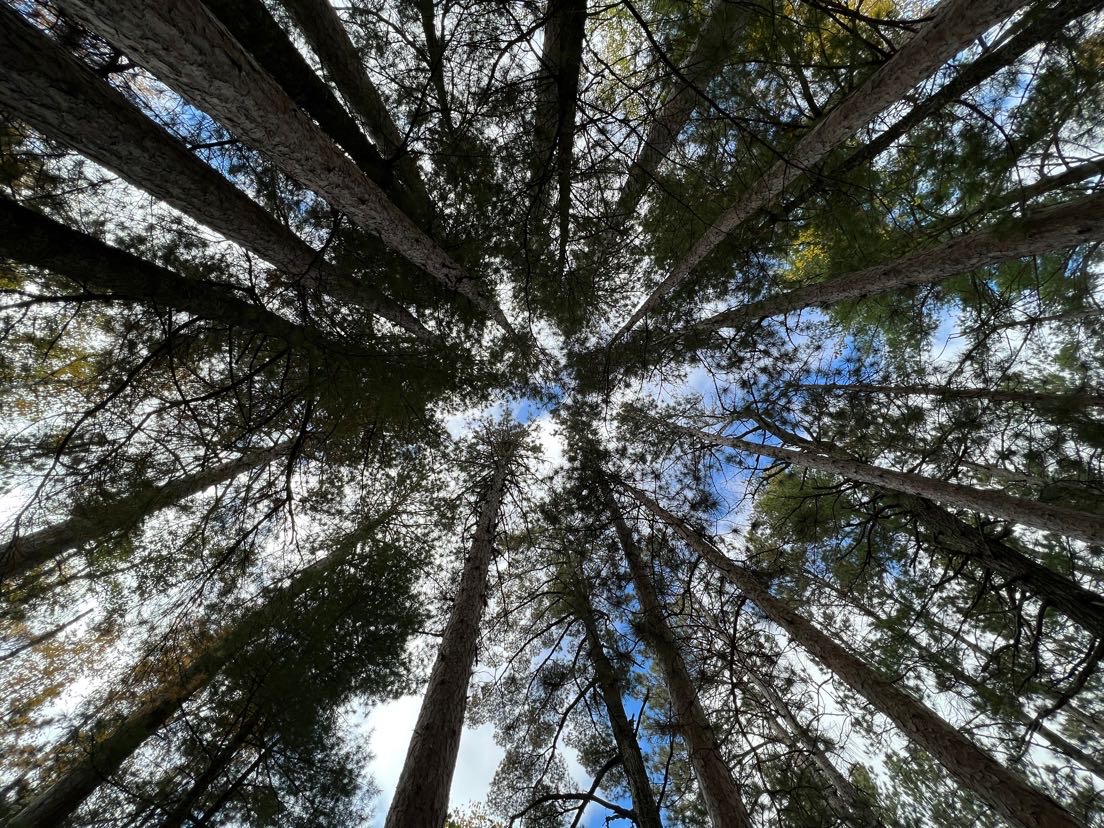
(705, 395)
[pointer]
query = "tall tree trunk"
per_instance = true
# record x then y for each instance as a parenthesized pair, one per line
(105, 753)
(422, 794)
(192, 52)
(62, 98)
(1041, 231)
(23, 552)
(1002, 789)
(849, 800)
(718, 788)
(640, 787)
(708, 56)
(219, 762)
(953, 26)
(33, 239)
(435, 58)
(1048, 517)
(1072, 399)
(326, 34)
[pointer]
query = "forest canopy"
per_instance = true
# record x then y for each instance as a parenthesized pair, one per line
(705, 397)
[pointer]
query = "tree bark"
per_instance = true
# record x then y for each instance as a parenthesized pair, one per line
(23, 552)
(326, 34)
(1047, 398)
(646, 812)
(422, 794)
(1041, 231)
(105, 753)
(1002, 789)
(953, 26)
(718, 787)
(1048, 517)
(192, 52)
(62, 98)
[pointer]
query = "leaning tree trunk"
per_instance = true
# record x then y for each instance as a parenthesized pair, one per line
(192, 52)
(718, 787)
(1048, 399)
(1003, 790)
(1040, 231)
(632, 761)
(105, 753)
(327, 36)
(953, 26)
(421, 796)
(62, 98)
(23, 552)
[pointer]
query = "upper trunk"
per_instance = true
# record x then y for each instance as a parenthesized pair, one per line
(1055, 399)
(1003, 790)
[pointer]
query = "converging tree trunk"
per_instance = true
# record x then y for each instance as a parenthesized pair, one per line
(191, 51)
(953, 26)
(23, 552)
(421, 795)
(718, 788)
(645, 810)
(1002, 789)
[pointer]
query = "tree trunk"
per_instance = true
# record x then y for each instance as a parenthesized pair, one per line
(708, 56)
(954, 25)
(105, 754)
(1043, 398)
(422, 794)
(1003, 790)
(188, 49)
(23, 552)
(326, 34)
(435, 58)
(219, 762)
(849, 800)
(646, 812)
(1048, 517)
(715, 781)
(62, 98)
(1041, 231)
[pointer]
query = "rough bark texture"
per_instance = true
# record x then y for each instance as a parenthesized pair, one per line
(326, 34)
(1003, 790)
(59, 96)
(708, 56)
(105, 754)
(1050, 399)
(1045, 516)
(191, 51)
(953, 26)
(22, 552)
(718, 788)
(1041, 231)
(645, 810)
(421, 796)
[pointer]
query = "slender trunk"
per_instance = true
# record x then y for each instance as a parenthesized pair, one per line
(42, 638)
(62, 98)
(954, 25)
(105, 753)
(435, 54)
(191, 51)
(1048, 517)
(1002, 789)
(1049, 399)
(326, 34)
(421, 796)
(849, 800)
(1042, 231)
(233, 787)
(719, 790)
(708, 56)
(640, 786)
(23, 552)
(219, 762)
(33, 239)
